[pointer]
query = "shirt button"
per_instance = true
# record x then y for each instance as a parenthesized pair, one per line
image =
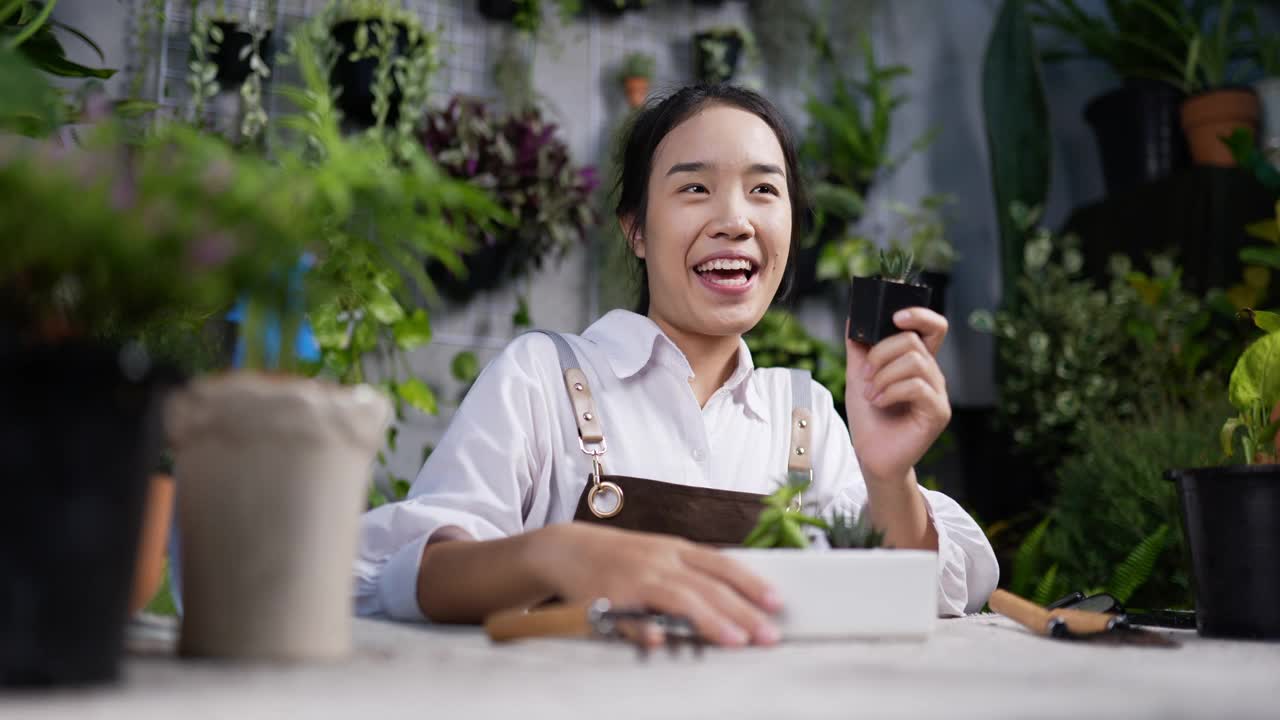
(699, 454)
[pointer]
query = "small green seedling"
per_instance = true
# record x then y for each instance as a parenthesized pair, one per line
(897, 265)
(782, 523)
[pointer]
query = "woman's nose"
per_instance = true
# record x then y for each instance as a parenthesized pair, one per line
(731, 222)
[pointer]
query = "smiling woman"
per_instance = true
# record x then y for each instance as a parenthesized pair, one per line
(614, 463)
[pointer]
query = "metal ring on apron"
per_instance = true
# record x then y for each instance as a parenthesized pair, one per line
(603, 486)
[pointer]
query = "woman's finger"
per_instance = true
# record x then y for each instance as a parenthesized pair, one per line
(724, 568)
(890, 348)
(729, 603)
(931, 326)
(914, 391)
(676, 598)
(912, 363)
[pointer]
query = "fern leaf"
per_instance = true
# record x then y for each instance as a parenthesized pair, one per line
(1136, 569)
(1028, 559)
(1045, 589)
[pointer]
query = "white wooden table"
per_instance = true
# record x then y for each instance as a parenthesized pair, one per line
(980, 666)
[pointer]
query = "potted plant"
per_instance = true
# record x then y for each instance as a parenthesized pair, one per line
(822, 567)
(846, 149)
(874, 300)
(615, 8)
(230, 55)
(519, 158)
(1228, 511)
(103, 243)
(382, 60)
(636, 73)
(1217, 103)
(1136, 126)
(275, 430)
(717, 50)
(1267, 49)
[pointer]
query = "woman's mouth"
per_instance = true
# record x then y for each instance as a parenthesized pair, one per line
(729, 275)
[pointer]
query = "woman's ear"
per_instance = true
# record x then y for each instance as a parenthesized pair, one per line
(634, 238)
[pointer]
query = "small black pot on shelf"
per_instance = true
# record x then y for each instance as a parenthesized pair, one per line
(1231, 516)
(355, 79)
(702, 58)
(486, 269)
(615, 8)
(498, 10)
(231, 58)
(937, 282)
(79, 436)
(872, 303)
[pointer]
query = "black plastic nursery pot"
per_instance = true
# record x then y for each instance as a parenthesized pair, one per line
(937, 282)
(703, 64)
(498, 10)
(872, 303)
(355, 78)
(1138, 130)
(231, 59)
(486, 269)
(1231, 516)
(79, 435)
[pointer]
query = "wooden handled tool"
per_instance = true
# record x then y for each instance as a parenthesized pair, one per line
(557, 621)
(1043, 622)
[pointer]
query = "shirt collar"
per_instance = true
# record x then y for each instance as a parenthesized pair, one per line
(632, 342)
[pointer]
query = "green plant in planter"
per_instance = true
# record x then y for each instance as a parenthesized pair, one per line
(873, 301)
(923, 235)
(519, 158)
(1133, 37)
(1254, 392)
(781, 524)
(718, 50)
(636, 73)
(226, 50)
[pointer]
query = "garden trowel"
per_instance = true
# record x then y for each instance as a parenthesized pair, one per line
(1068, 624)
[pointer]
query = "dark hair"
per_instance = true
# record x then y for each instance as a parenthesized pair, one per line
(658, 118)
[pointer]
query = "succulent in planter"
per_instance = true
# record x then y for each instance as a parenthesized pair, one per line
(519, 159)
(874, 300)
(782, 522)
(636, 74)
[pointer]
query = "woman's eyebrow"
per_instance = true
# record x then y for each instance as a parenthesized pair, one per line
(699, 166)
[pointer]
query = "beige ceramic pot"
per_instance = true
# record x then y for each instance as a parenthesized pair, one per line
(1211, 116)
(272, 476)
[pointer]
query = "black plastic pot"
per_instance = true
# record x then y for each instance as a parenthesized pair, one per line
(614, 8)
(1138, 130)
(232, 68)
(1231, 516)
(872, 303)
(79, 435)
(937, 282)
(355, 79)
(498, 10)
(486, 269)
(706, 71)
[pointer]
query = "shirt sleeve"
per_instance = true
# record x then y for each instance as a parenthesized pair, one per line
(488, 474)
(967, 567)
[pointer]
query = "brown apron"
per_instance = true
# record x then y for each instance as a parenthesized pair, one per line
(704, 515)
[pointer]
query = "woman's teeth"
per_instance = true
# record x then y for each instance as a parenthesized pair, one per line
(724, 264)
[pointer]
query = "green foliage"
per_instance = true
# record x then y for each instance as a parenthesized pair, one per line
(1046, 589)
(923, 234)
(847, 530)
(205, 40)
(1074, 350)
(25, 25)
(637, 64)
(782, 522)
(715, 46)
(1254, 391)
(897, 265)
(780, 340)
(1136, 569)
(1016, 112)
(1027, 560)
(1113, 497)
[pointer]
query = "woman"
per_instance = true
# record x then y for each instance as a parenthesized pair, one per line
(609, 464)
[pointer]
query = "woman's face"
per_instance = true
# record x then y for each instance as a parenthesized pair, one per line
(718, 228)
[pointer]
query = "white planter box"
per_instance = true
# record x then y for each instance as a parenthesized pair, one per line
(833, 594)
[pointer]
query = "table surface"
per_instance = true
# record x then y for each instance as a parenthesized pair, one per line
(978, 666)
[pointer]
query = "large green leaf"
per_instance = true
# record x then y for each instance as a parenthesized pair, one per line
(27, 101)
(1256, 377)
(416, 393)
(1017, 125)
(1136, 569)
(413, 330)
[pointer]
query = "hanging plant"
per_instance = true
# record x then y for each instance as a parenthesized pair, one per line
(717, 52)
(528, 168)
(228, 54)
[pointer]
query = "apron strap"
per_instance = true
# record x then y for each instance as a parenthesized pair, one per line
(575, 382)
(800, 458)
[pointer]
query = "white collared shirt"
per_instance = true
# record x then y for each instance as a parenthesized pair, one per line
(510, 460)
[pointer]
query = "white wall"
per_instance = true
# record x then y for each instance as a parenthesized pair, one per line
(943, 41)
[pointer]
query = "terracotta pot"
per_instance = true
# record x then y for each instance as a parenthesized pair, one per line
(272, 478)
(1211, 116)
(156, 515)
(637, 90)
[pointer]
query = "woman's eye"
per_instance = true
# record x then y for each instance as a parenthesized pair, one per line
(767, 188)
(695, 188)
